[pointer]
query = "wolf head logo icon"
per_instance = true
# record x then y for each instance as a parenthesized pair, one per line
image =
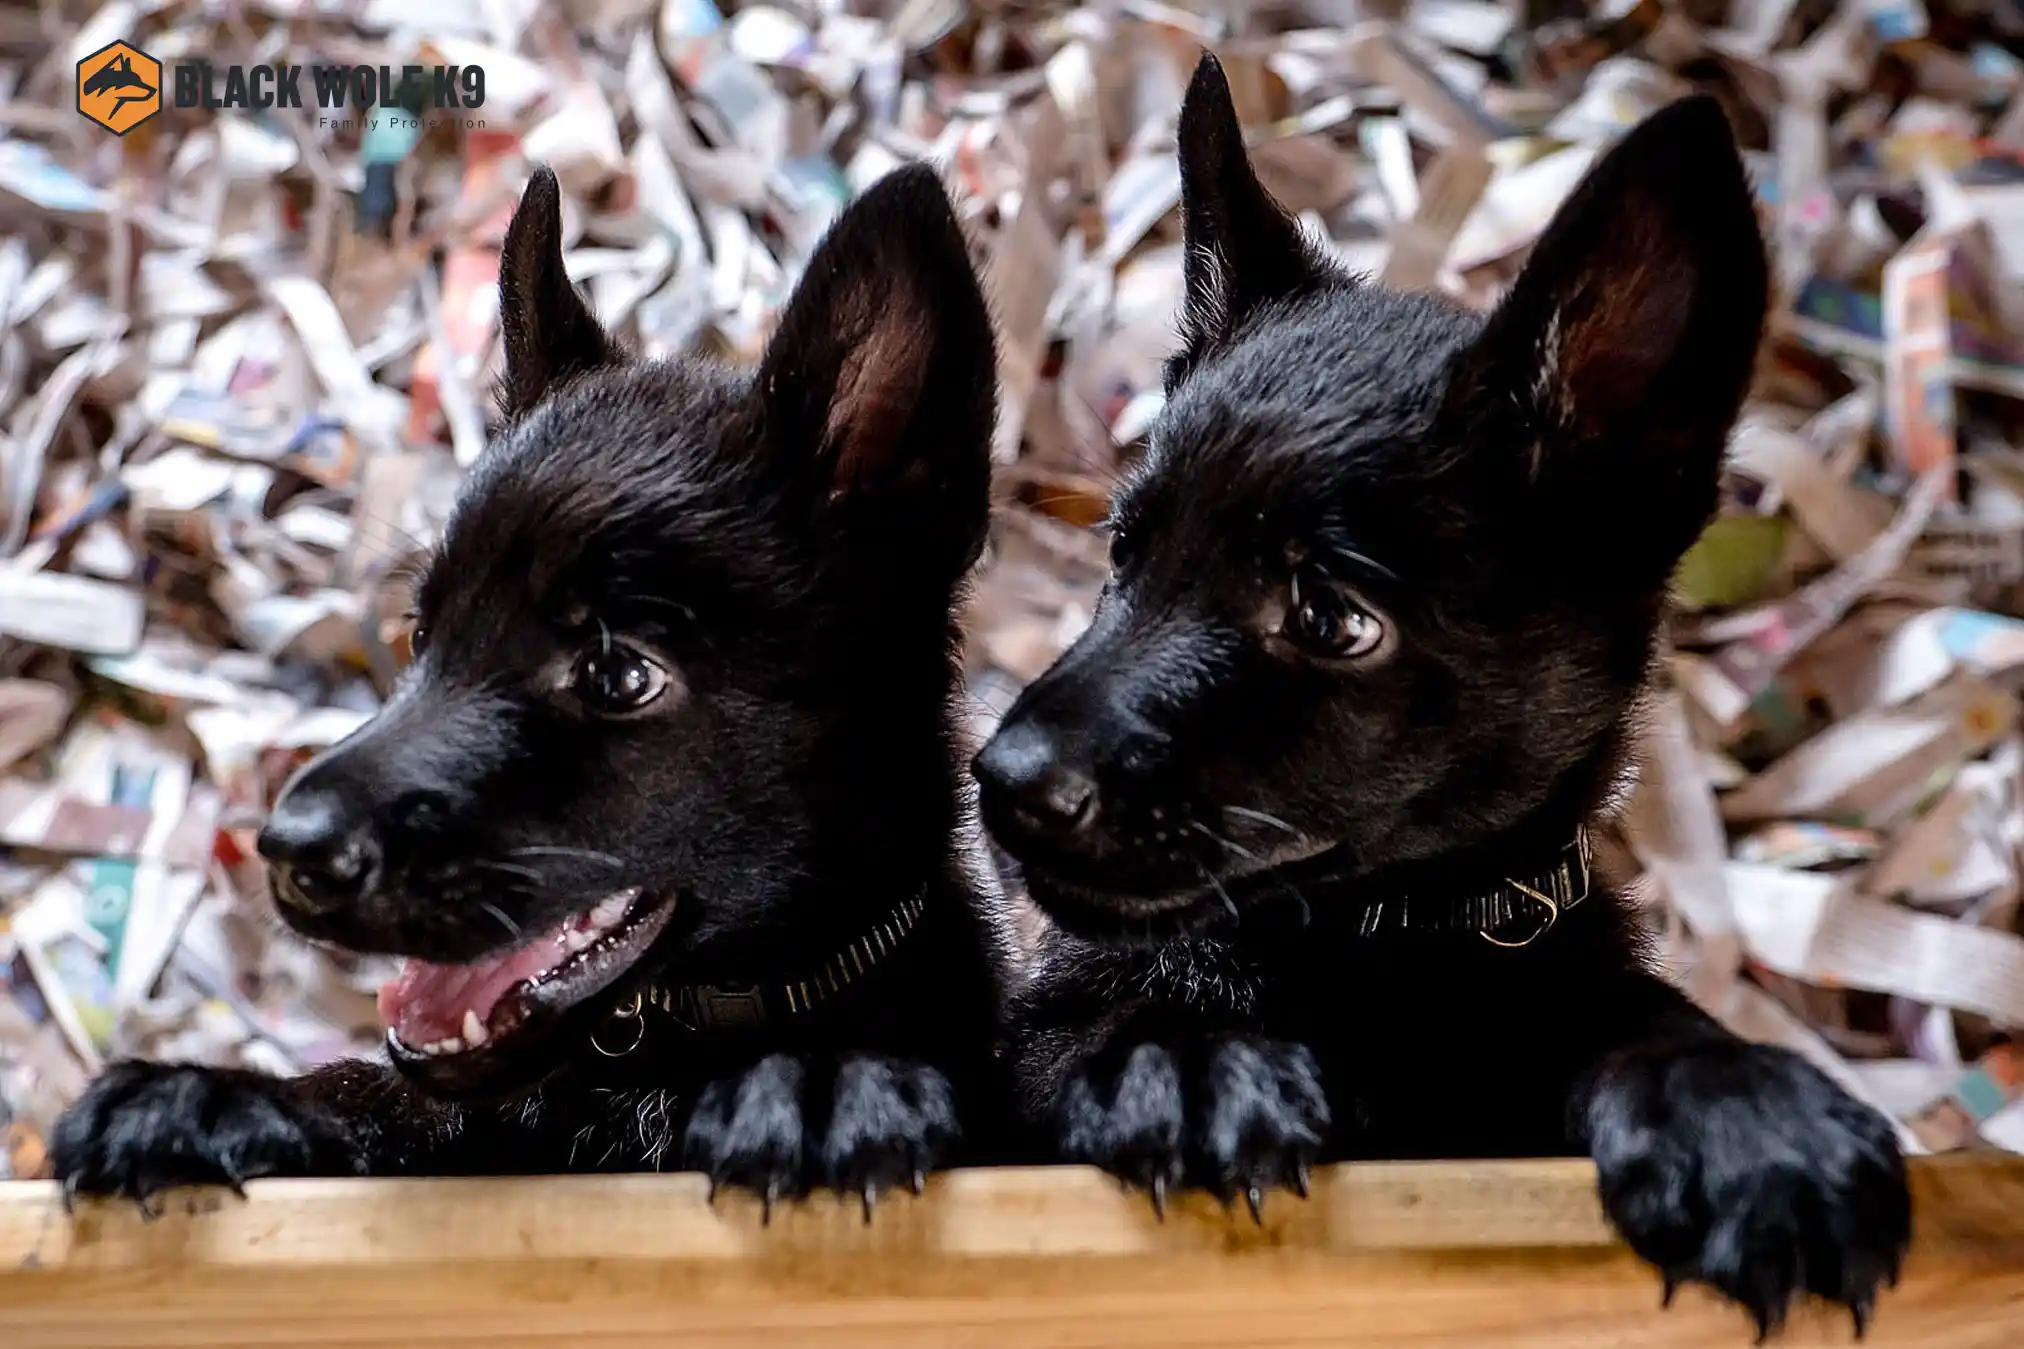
(119, 86)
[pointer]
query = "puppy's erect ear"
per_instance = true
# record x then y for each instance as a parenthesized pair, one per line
(1242, 248)
(550, 333)
(879, 387)
(1626, 345)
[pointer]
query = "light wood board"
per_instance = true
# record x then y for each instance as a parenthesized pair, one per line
(1444, 1255)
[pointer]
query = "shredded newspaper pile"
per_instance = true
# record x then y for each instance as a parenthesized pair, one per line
(245, 354)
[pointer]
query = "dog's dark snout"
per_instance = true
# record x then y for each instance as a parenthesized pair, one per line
(328, 854)
(1022, 771)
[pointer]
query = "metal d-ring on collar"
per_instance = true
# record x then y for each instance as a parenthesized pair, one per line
(699, 1008)
(1493, 912)
(1556, 897)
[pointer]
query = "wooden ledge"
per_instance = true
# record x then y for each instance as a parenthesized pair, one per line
(1438, 1254)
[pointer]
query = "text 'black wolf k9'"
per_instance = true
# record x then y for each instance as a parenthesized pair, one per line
(1309, 796)
(663, 813)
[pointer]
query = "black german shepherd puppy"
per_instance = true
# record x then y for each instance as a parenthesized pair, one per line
(1308, 799)
(665, 812)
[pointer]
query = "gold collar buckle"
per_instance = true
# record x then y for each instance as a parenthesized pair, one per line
(1560, 880)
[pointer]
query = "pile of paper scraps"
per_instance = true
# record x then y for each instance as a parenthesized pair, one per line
(245, 353)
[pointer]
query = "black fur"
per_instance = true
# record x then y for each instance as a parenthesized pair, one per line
(787, 546)
(1385, 593)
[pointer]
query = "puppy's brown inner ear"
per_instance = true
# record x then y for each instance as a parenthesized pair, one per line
(878, 383)
(1606, 342)
(877, 389)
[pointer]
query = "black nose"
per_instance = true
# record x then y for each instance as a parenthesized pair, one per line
(328, 855)
(1021, 773)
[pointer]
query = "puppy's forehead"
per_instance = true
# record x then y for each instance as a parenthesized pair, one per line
(636, 472)
(1322, 404)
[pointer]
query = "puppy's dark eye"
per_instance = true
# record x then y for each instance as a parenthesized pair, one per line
(615, 680)
(418, 641)
(1123, 546)
(1324, 621)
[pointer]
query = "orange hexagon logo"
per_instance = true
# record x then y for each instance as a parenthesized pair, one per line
(119, 86)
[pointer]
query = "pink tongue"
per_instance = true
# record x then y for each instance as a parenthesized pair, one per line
(426, 1003)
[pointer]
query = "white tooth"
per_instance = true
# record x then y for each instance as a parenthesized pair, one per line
(612, 909)
(474, 1029)
(449, 1046)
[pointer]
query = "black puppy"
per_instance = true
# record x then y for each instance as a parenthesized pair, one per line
(664, 813)
(1316, 779)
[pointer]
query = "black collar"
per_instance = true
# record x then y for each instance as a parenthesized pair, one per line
(1511, 912)
(698, 1009)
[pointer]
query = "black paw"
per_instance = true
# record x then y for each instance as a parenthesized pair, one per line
(891, 1122)
(141, 1128)
(747, 1131)
(1233, 1115)
(1743, 1167)
(860, 1125)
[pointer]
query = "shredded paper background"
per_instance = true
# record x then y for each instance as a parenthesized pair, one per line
(245, 357)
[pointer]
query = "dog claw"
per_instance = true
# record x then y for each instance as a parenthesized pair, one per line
(1858, 1312)
(710, 1198)
(869, 1194)
(767, 1202)
(919, 1183)
(1255, 1199)
(1300, 1179)
(1666, 1298)
(1159, 1189)
(70, 1184)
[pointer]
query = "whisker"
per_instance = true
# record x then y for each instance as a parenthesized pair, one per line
(507, 868)
(1217, 886)
(554, 850)
(1215, 837)
(512, 928)
(1246, 813)
(1306, 914)
(1271, 873)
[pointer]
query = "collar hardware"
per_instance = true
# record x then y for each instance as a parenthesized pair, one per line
(1513, 914)
(701, 1009)
(1554, 894)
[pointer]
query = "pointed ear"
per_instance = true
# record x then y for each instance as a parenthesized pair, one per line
(1242, 249)
(550, 333)
(1626, 345)
(879, 388)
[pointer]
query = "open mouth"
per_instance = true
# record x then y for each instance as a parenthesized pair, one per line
(435, 1014)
